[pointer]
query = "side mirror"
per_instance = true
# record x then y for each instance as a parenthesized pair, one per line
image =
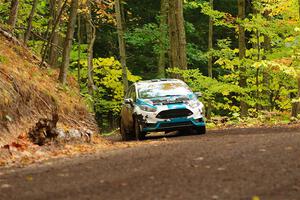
(128, 101)
(198, 94)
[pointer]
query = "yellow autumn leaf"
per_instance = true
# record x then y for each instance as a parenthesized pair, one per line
(255, 198)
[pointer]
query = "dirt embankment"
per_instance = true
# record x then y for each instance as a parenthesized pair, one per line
(28, 93)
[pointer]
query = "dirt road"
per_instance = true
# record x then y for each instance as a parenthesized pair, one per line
(235, 164)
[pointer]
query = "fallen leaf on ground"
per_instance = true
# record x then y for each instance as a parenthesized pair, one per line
(221, 168)
(29, 178)
(5, 186)
(199, 158)
(255, 198)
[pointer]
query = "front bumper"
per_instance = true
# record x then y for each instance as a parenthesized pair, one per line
(177, 118)
(173, 124)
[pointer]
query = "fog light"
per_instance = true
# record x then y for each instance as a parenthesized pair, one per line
(199, 120)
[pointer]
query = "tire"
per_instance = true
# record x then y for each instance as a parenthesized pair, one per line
(124, 134)
(201, 130)
(139, 135)
(184, 132)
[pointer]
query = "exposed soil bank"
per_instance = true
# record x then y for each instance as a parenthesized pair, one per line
(29, 92)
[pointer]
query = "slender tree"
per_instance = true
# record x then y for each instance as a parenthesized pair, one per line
(12, 20)
(267, 47)
(210, 58)
(122, 49)
(164, 5)
(29, 23)
(296, 105)
(177, 35)
(79, 47)
(210, 40)
(91, 36)
(242, 54)
(53, 51)
(50, 39)
(68, 42)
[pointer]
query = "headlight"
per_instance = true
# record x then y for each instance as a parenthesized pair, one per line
(147, 108)
(195, 104)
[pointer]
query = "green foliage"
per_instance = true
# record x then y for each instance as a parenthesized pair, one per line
(107, 76)
(222, 96)
(220, 18)
(75, 49)
(271, 62)
(149, 34)
(194, 54)
(2, 59)
(4, 10)
(149, 38)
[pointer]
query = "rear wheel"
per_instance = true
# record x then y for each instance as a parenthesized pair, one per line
(139, 135)
(124, 134)
(201, 130)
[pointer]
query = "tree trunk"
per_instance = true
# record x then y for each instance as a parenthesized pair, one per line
(177, 35)
(267, 48)
(91, 36)
(163, 35)
(257, 83)
(12, 20)
(50, 22)
(53, 52)
(210, 58)
(29, 25)
(79, 48)
(68, 43)
(50, 39)
(122, 49)
(298, 80)
(299, 9)
(210, 41)
(296, 105)
(242, 54)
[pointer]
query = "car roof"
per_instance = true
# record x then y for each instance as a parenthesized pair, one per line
(147, 82)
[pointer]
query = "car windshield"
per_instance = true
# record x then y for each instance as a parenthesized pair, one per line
(156, 90)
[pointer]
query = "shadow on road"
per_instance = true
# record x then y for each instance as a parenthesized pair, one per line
(153, 136)
(213, 133)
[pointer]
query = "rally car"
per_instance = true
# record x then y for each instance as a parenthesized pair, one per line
(160, 105)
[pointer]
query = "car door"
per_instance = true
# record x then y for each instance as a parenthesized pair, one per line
(127, 111)
(131, 107)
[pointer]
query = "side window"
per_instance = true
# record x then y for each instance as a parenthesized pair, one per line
(128, 94)
(133, 93)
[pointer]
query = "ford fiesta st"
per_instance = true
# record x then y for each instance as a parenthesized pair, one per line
(160, 105)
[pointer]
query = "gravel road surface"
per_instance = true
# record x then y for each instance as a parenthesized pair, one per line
(241, 164)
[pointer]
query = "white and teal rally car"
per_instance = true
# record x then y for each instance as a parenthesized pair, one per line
(160, 105)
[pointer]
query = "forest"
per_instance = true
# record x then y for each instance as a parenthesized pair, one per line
(243, 55)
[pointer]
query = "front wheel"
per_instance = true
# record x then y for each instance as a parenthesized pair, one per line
(139, 135)
(124, 134)
(201, 130)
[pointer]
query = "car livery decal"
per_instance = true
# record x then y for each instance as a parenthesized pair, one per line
(140, 102)
(192, 96)
(176, 106)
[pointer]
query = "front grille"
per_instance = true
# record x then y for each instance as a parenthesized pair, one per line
(175, 113)
(178, 124)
